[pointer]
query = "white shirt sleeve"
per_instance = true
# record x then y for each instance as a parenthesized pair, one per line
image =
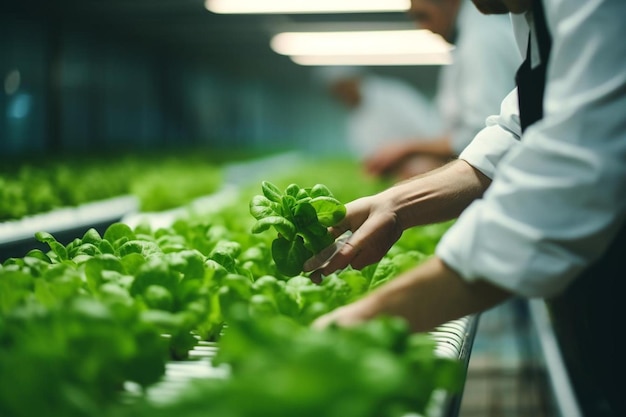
(493, 142)
(558, 198)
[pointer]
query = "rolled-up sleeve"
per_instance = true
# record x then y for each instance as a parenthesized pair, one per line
(558, 197)
(501, 134)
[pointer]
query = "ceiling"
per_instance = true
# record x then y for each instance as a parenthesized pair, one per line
(237, 42)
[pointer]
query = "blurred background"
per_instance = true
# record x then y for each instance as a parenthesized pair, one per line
(90, 74)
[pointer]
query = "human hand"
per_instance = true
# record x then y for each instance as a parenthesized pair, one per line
(375, 228)
(426, 296)
(317, 262)
(345, 316)
(387, 159)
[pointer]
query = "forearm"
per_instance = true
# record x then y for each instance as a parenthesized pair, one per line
(440, 146)
(428, 296)
(439, 195)
(378, 221)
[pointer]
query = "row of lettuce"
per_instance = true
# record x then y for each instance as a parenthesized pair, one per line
(81, 321)
(160, 180)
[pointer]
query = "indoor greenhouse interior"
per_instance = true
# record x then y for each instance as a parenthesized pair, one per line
(165, 172)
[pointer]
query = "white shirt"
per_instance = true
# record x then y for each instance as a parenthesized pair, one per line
(390, 111)
(485, 59)
(558, 197)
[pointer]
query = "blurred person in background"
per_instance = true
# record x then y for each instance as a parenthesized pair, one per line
(540, 196)
(381, 109)
(484, 60)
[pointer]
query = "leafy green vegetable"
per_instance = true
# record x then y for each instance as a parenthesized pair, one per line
(159, 181)
(282, 369)
(73, 359)
(301, 217)
(79, 320)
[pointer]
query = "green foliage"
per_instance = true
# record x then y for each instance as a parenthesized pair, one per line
(279, 368)
(80, 320)
(159, 182)
(344, 176)
(301, 217)
(175, 182)
(73, 359)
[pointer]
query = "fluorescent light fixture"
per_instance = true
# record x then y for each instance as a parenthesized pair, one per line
(392, 42)
(305, 6)
(392, 47)
(373, 60)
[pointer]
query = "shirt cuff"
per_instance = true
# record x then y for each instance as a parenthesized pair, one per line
(488, 148)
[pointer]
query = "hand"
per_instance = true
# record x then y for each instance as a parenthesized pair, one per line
(377, 221)
(316, 263)
(345, 316)
(375, 228)
(426, 296)
(387, 159)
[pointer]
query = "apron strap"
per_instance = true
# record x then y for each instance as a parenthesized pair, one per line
(531, 80)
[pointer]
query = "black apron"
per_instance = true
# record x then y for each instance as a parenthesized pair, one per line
(587, 316)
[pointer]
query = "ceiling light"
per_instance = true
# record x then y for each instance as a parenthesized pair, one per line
(404, 47)
(373, 60)
(306, 6)
(359, 42)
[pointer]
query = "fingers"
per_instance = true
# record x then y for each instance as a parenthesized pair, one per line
(326, 267)
(339, 229)
(376, 163)
(372, 237)
(350, 254)
(320, 259)
(383, 162)
(341, 259)
(345, 316)
(337, 316)
(322, 322)
(375, 167)
(373, 240)
(356, 214)
(316, 277)
(367, 245)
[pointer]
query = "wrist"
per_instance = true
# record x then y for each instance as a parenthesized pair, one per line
(409, 202)
(436, 196)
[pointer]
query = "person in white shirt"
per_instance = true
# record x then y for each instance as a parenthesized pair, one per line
(381, 108)
(540, 196)
(469, 89)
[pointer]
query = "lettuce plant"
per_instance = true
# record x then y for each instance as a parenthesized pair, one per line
(301, 216)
